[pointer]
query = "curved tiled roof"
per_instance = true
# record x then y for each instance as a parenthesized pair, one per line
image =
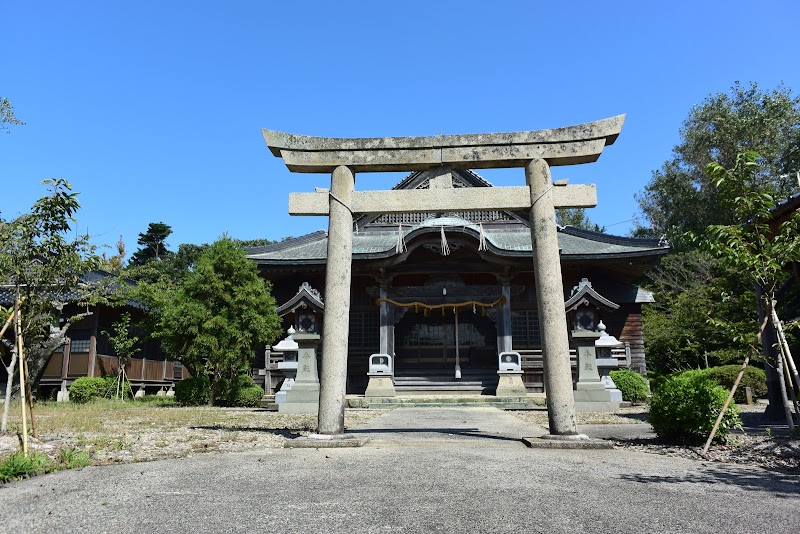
(573, 243)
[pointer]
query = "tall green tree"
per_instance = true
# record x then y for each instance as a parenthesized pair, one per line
(576, 217)
(44, 261)
(755, 247)
(152, 244)
(221, 311)
(680, 196)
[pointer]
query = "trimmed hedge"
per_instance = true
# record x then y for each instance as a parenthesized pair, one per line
(194, 391)
(634, 387)
(754, 378)
(86, 389)
(685, 407)
(248, 397)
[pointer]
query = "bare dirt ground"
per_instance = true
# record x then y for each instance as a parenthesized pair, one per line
(117, 432)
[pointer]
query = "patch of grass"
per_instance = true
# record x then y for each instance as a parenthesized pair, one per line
(17, 465)
(71, 458)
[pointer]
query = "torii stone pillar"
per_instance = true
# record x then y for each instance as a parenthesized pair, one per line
(338, 274)
(550, 300)
(536, 151)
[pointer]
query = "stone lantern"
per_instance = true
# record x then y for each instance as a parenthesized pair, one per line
(583, 312)
(288, 346)
(606, 362)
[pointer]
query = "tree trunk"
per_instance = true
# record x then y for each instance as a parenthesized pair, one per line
(9, 385)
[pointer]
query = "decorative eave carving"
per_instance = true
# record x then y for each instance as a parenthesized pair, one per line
(306, 297)
(584, 294)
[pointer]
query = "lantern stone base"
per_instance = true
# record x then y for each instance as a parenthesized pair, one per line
(302, 398)
(595, 398)
(380, 385)
(510, 384)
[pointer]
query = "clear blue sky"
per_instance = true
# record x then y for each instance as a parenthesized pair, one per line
(153, 109)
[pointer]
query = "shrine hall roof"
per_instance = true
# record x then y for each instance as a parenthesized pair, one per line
(574, 243)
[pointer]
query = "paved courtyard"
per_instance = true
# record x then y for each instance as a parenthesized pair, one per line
(424, 470)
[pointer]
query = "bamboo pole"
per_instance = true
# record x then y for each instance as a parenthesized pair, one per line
(782, 340)
(8, 323)
(21, 357)
(29, 393)
(790, 388)
(736, 383)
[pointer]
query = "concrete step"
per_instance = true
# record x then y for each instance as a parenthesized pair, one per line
(444, 400)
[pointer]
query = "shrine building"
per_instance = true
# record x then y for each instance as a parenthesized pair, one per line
(452, 290)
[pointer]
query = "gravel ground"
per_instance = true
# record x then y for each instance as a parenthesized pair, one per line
(754, 444)
(127, 440)
(132, 437)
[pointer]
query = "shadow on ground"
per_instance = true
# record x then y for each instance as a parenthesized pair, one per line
(463, 432)
(285, 432)
(779, 484)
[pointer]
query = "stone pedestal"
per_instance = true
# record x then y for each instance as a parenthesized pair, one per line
(380, 385)
(510, 384)
(304, 395)
(590, 392)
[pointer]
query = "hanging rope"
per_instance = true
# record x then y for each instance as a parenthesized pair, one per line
(401, 241)
(445, 246)
(416, 305)
(482, 239)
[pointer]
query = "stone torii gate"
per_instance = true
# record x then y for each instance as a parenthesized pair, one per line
(536, 151)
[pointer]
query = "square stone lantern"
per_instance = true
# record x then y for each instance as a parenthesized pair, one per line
(509, 383)
(381, 377)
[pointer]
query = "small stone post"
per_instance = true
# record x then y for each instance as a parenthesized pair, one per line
(550, 299)
(336, 320)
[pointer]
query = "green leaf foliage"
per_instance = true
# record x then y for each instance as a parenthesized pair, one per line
(725, 376)
(634, 387)
(681, 196)
(684, 408)
(86, 389)
(43, 259)
(194, 391)
(220, 312)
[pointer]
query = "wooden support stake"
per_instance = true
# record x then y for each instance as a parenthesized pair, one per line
(21, 357)
(8, 323)
(785, 344)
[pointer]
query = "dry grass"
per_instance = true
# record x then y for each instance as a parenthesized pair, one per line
(130, 431)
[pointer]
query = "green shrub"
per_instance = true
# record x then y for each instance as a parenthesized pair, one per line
(193, 391)
(754, 378)
(634, 387)
(248, 397)
(18, 465)
(685, 407)
(86, 389)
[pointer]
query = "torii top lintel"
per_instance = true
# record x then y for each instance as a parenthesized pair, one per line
(569, 145)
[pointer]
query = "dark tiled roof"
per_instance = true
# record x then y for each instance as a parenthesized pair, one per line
(504, 240)
(574, 243)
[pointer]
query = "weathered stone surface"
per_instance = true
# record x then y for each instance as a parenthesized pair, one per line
(607, 129)
(337, 303)
(303, 396)
(510, 384)
(550, 298)
(426, 200)
(380, 386)
(560, 146)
